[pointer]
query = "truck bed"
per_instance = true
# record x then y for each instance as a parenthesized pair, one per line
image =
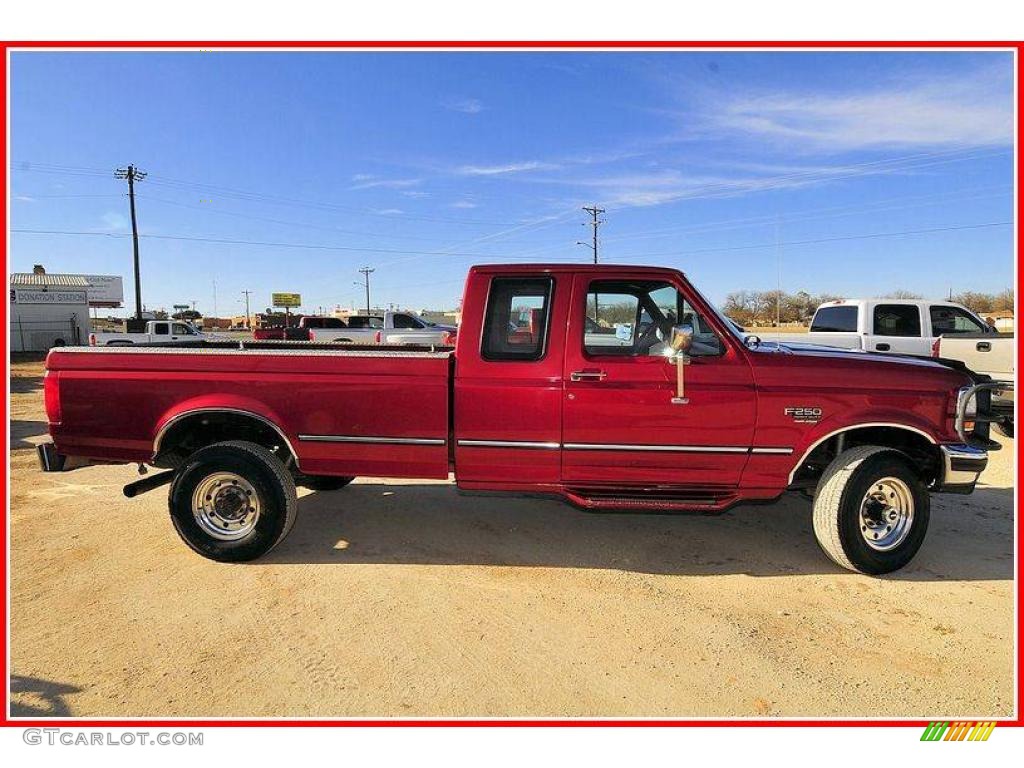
(354, 410)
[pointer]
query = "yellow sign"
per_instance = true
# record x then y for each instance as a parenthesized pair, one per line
(286, 299)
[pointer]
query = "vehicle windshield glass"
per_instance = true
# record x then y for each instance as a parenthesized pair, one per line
(725, 321)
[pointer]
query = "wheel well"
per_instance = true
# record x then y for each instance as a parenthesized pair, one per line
(186, 434)
(924, 454)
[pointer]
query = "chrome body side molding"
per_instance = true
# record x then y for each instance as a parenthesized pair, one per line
(372, 440)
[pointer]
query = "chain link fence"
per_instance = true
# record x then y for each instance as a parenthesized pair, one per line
(41, 335)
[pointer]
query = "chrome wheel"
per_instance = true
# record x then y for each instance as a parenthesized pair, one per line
(886, 514)
(225, 506)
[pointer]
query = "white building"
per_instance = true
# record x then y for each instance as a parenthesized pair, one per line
(49, 310)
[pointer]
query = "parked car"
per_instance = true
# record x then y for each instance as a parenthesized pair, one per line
(990, 354)
(904, 326)
(678, 415)
(387, 328)
(152, 332)
(300, 332)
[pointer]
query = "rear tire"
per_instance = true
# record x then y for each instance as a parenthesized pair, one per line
(871, 510)
(322, 482)
(232, 501)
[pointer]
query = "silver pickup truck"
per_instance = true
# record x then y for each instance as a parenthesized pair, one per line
(990, 354)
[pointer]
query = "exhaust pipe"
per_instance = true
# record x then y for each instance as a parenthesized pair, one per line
(148, 484)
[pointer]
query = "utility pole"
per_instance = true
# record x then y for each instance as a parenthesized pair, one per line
(594, 212)
(133, 174)
(248, 322)
(366, 271)
(778, 266)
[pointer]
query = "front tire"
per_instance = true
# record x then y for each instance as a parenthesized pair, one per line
(232, 501)
(871, 510)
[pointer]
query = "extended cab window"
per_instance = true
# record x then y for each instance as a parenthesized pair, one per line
(953, 320)
(407, 321)
(841, 319)
(635, 318)
(516, 323)
(160, 329)
(897, 320)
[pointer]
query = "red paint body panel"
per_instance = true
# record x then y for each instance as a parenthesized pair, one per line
(113, 404)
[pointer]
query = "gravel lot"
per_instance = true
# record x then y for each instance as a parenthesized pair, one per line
(405, 599)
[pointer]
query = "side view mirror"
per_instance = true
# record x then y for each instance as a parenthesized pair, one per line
(682, 338)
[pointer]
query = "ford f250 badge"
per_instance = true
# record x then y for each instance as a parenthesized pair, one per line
(805, 415)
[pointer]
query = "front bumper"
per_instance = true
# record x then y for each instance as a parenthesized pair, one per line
(961, 466)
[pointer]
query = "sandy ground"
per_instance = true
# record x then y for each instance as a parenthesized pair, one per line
(405, 599)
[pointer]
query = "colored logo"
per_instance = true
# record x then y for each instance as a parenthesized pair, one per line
(959, 731)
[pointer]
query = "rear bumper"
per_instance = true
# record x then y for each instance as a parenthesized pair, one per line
(961, 466)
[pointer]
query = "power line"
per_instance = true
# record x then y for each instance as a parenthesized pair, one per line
(871, 236)
(510, 257)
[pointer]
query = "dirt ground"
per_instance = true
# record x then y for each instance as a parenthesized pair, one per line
(406, 599)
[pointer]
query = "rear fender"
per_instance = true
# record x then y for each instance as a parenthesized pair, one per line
(225, 403)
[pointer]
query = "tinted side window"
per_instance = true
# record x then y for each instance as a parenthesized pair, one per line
(406, 321)
(897, 320)
(835, 320)
(159, 329)
(516, 323)
(953, 320)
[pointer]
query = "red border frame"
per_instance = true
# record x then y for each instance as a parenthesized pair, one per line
(5, 721)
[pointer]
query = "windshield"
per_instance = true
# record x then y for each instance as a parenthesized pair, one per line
(728, 324)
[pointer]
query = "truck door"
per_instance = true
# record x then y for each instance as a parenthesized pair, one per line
(508, 381)
(896, 328)
(620, 423)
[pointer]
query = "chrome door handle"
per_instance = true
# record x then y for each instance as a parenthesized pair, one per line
(984, 346)
(587, 376)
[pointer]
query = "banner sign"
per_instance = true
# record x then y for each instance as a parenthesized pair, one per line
(285, 299)
(28, 296)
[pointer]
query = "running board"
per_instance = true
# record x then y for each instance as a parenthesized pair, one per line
(654, 500)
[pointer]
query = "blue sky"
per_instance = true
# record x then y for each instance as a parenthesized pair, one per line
(313, 165)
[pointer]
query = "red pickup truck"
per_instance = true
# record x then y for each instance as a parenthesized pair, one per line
(615, 388)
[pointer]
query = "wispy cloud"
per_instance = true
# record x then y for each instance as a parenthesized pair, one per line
(497, 170)
(113, 222)
(375, 183)
(464, 204)
(971, 109)
(362, 177)
(24, 199)
(388, 211)
(415, 194)
(466, 106)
